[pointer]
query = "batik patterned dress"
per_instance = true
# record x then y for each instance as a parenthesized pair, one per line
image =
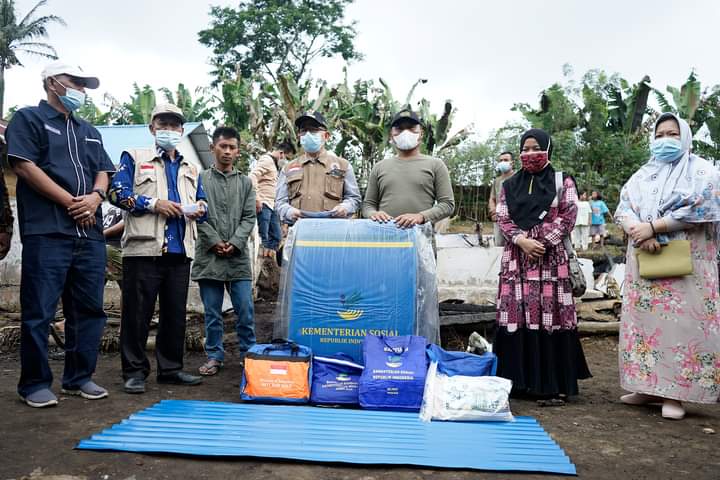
(537, 342)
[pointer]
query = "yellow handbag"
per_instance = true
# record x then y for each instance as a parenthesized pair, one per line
(673, 260)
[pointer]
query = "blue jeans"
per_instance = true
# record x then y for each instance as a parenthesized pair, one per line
(55, 267)
(269, 228)
(211, 292)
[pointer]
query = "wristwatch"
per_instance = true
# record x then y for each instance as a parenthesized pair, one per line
(101, 192)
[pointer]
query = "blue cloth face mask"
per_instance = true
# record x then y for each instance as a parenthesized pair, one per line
(666, 150)
(73, 99)
(167, 139)
(312, 142)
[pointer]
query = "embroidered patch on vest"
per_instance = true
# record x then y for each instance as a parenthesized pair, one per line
(147, 166)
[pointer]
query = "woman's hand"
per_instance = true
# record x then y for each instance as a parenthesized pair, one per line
(651, 246)
(532, 248)
(641, 232)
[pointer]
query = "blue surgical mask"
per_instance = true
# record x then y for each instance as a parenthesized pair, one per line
(73, 99)
(167, 139)
(312, 142)
(504, 167)
(666, 150)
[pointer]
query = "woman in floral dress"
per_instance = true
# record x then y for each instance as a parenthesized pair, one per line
(537, 342)
(670, 332)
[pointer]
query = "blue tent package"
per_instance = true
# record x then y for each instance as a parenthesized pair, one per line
(462, 363)
(335, 380)
(344, 279)
(394, 374)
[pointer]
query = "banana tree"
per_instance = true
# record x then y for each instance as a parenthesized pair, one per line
(627, 105)
(195, 110)
(686, 101)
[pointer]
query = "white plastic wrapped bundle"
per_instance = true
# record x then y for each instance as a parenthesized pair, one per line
(465, 398)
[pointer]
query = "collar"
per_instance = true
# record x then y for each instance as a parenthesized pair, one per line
(51, 112)
(164, 155)
(322, 158)
(234, 171)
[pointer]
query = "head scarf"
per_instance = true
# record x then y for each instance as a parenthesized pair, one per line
(528, 206)
(686, 189)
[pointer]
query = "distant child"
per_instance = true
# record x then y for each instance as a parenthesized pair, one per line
(599, 210)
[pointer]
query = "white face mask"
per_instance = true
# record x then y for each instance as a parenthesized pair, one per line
(407, 140)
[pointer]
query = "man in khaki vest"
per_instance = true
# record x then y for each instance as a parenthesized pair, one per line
(318, 182)
(163, 194)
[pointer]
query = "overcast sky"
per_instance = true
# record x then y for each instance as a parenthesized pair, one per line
(483, 55)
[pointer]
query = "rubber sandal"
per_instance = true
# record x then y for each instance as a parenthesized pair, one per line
(210, 368)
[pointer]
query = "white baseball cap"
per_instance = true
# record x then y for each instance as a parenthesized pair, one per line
(61, 68)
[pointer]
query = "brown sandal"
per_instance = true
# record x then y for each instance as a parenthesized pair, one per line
(210, 368)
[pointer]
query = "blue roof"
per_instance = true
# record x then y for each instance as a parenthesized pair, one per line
(117, 138)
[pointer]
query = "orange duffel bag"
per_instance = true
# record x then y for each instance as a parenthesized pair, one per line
(277, 372)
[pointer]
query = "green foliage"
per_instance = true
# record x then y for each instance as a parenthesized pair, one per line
(22, 37)
(195, 110)
(277, 37)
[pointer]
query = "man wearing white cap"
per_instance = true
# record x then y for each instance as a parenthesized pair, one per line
(163, 193)
(63, 175)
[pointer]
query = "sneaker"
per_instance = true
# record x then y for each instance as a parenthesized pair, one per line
(41, 399)
(89, 390)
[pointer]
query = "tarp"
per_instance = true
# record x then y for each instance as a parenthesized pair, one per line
(348, 278)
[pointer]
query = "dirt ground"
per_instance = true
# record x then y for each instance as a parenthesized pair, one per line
(604, 439)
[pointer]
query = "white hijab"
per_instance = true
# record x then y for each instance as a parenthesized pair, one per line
(688, 189)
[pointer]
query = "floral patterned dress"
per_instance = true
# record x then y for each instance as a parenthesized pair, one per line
(537, 342)
(670, 328)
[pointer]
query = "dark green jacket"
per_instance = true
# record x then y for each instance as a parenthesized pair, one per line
(231, 218)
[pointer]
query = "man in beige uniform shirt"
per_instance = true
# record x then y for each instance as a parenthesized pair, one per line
(410, 188)
(264, 176)
(318, 183)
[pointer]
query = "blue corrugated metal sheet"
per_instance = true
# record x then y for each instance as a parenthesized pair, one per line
(333, 435)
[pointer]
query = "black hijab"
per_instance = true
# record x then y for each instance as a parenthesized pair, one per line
(528, 208)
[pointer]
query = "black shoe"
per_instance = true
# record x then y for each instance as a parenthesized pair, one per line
(180, 378)
(134, 385)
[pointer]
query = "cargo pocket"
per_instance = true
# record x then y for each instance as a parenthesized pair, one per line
(294, 184)
(334, 185)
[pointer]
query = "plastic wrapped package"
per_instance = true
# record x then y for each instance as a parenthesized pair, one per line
(462, 387)
(344, 279)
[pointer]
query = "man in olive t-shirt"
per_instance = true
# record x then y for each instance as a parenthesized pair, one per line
(410, 188)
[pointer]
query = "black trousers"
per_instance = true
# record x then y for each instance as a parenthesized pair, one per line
(144, 279)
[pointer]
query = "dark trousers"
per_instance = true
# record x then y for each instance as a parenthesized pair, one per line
(55, 267)
(269, 228)
(144, 279)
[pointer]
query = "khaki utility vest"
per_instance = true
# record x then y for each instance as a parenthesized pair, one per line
(316, 185)
(144, 235)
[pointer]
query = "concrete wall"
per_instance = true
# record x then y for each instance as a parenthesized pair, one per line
(465, 272)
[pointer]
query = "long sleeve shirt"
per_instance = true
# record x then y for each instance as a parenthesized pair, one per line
(122, 195)
(420, 184)
(350, 202)
(264, 177)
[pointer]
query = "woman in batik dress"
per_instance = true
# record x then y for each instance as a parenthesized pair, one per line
(670, 328)
(537, 342)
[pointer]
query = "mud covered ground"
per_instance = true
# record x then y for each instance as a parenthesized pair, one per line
(605, 439)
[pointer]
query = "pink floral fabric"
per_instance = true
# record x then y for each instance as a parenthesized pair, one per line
(670, 328)
(537, 294)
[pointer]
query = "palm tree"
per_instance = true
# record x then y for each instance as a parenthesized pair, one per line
(21, 37)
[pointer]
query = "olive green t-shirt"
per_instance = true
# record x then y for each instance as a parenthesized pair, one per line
(419, 184)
